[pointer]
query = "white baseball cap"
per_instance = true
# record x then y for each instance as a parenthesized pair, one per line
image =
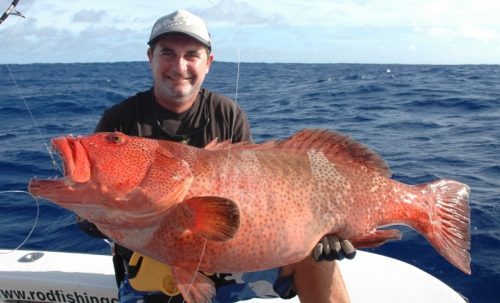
(184, 22)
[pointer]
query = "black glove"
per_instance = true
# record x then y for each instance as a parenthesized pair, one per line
(332, 248)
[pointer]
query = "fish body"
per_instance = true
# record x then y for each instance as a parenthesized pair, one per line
(247, 207)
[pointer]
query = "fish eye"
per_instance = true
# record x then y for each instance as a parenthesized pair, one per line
(116, 138)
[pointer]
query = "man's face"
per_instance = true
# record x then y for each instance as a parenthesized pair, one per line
(179, 65)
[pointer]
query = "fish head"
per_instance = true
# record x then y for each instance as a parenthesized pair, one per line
(114, 178)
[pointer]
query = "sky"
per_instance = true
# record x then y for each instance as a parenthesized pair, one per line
(306, 31)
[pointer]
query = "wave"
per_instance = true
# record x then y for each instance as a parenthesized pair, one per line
(427, 122)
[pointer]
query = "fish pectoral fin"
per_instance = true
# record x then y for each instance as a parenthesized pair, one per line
(213, 218)
(195, 287)
(376, 238)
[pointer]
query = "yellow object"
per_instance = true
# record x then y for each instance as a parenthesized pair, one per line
(152, 275)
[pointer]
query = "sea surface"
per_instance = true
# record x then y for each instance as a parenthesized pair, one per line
(426, 121)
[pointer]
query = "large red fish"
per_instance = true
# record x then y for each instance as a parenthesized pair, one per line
(246, 207)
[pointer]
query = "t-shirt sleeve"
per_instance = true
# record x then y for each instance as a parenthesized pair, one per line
(241, 128)
(105, 124)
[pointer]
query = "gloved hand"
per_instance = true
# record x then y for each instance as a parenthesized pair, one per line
(331, 248)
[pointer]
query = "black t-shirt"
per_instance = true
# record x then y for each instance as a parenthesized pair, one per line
(211, 116)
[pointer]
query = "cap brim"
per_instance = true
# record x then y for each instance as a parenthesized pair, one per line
(202, 41)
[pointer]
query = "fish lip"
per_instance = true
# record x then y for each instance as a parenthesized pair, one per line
(42, 188)
(76, 165)
(60, 191)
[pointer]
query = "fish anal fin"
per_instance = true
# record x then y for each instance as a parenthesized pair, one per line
(195, 287)
(337, 147)
(213, 218)
(376, 238)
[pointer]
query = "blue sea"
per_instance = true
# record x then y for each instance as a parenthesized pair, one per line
(426, 121)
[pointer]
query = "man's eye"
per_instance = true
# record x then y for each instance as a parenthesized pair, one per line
(193, 56)
(168, 54)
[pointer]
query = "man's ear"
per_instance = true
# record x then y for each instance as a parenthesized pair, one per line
(210, 59)
(150, 54)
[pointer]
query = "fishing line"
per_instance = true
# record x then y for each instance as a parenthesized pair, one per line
(54, 163)
(39, 133)
(9, 32)
(237, 71)
(36, 218)
(235, 103)
(226, 166)
(195, 273)
(14, 26)
(231, 135)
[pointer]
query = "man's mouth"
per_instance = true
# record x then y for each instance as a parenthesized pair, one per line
(179, 78)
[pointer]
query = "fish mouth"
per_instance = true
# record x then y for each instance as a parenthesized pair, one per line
(76, 164)
(76, 170)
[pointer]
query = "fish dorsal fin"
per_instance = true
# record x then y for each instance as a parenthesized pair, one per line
(336, 147)
(214, 145)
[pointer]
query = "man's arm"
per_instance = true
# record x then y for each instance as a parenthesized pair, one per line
(241, 130)
(317, 282)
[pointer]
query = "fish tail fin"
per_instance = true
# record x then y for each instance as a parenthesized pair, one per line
(449, 228)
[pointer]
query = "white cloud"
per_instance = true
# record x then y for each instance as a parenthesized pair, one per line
(89, 16)
(486, 35)
(262, 30)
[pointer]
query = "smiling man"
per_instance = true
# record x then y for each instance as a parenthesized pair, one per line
(178, 108)
(179, 65)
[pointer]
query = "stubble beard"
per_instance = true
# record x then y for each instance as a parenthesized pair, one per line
(178, 95)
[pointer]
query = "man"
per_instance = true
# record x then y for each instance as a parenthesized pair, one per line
(178, 108)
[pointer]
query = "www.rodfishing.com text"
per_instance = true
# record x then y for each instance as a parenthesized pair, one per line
(52, 296)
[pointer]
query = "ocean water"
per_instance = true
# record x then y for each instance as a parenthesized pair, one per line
(427, 122)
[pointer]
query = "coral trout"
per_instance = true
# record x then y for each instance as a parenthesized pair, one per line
(246, 207)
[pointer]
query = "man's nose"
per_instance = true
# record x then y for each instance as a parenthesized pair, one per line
(180, 64)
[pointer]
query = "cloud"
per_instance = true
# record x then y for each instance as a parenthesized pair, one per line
(262, 30)
(239, 13)
(467, 32)
(483, 34)
(89, 16)
(35, 43)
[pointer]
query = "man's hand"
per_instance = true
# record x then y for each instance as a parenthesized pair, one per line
(332, 248)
